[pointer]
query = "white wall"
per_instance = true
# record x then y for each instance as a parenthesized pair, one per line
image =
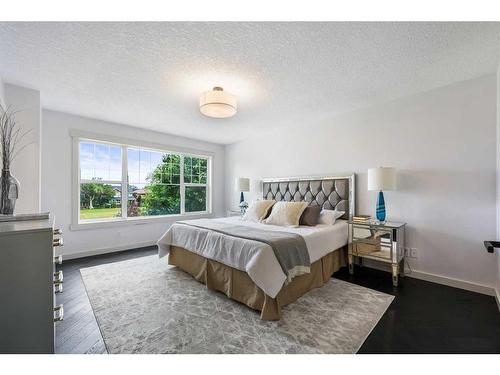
(26, 166)
(56, 182)
(443, 144)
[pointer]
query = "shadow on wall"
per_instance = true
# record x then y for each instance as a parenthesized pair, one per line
(449, 214)
(435, 244)
(447, 181)
(453, 193)
(447, 197)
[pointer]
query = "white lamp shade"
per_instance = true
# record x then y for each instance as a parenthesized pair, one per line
(242, 184)
(382, 178)
(218, 103)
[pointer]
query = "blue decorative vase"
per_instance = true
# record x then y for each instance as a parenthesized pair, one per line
(242, 198)
(380, 207)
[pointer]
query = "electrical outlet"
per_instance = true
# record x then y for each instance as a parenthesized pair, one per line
(413, 252)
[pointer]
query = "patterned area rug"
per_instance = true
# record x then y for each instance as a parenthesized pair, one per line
(146, 306)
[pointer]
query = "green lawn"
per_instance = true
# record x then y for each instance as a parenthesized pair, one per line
(98, 213)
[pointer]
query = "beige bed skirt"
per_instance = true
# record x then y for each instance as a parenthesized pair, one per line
(238, 286)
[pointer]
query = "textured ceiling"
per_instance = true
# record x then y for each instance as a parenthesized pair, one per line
(151, 74)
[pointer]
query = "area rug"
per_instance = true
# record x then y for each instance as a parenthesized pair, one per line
(144, 305)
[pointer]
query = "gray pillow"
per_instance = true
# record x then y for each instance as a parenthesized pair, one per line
(310, 216)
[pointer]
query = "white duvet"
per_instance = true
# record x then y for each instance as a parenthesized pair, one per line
(255, 258)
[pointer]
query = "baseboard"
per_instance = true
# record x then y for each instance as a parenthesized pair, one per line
(439, 279)
(456, 283)
(106, 250)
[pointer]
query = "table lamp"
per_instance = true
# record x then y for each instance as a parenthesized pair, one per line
(242, 185)
(379, 179)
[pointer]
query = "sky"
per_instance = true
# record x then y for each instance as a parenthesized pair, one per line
(102, 161)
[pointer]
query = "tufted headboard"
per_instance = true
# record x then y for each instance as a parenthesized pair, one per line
(328, 192)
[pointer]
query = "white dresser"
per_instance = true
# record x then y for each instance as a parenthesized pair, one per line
(28, 284)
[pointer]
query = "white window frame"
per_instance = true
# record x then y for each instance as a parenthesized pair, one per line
(79, 136)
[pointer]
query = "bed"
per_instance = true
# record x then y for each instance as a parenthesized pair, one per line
(247, 269)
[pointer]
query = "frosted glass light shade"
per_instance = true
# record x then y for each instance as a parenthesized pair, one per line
(218, 103)
(242, 184)
(382, 178)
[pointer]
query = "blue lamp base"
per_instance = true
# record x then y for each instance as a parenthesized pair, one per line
(242, 198)
(380, 211)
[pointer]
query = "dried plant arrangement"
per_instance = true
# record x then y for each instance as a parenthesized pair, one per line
(11, 137)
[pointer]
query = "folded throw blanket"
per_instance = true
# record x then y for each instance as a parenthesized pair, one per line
(290, 249)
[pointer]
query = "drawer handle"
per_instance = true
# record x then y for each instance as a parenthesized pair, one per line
(58, 259)
(58, 313)
(58, 287)
(57, 242)
(57, 231)
(58, 277)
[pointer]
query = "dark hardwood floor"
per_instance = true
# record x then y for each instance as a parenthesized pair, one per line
(423, 318)
(429, 318)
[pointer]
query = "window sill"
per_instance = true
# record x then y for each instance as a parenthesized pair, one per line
(100, 224)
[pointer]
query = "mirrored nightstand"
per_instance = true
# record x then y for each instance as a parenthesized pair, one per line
(381, 242)
(233, 213)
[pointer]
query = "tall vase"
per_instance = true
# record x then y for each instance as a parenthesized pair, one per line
(380, 207)
(9, 192)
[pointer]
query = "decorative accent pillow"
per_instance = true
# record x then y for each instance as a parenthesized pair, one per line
(310, 216)
(286, 214)
(258, 210)
(329, 216)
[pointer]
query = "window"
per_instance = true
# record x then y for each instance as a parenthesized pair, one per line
(122, 182)
(154, 183)
(195, 182)
(100, 181)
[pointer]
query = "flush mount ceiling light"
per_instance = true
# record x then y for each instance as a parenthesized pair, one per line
(218, 103)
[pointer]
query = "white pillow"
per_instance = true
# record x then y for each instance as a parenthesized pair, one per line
(286, 213)
(258, 210)
(329, 216)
